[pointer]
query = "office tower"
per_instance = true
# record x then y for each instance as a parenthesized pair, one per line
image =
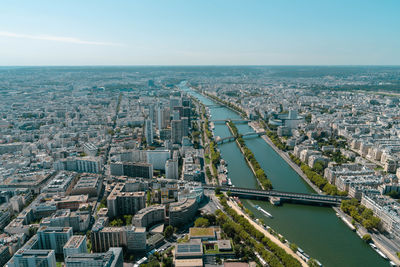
(54, 238)
(186, 101)
(185, 126)
(171, 169)
(176, 131)
(186, 113)
(166, 119)
(180, 110)
(159, 117)
(174, 102)
(148, 130)
(176, 115)
(152, 113)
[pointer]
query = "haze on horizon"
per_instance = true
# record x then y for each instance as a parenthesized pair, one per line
(179, 32)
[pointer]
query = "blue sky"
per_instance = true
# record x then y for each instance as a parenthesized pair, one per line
(201, 32)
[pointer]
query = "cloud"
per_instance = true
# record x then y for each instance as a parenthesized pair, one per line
(71, 40)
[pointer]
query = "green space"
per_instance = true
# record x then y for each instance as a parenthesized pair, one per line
(259, 172)
(360, 214)
(241, 230)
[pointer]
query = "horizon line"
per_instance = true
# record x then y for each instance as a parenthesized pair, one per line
(209, 65)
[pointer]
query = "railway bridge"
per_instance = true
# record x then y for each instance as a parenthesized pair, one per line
(313, 199)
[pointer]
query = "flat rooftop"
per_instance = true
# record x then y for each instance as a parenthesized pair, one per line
(201, 232)
(74, 241)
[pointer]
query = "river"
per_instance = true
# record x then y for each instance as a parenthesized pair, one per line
(317, 230)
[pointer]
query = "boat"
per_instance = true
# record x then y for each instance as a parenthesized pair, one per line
(381, 254)
(263, 211)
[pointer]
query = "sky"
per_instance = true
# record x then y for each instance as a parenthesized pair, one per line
(200, 32)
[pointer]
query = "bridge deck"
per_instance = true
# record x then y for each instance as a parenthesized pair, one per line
(313, 198)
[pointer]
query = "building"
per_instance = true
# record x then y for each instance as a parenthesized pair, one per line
(112, 258)
(182, 212)
(132, 169)
(121, 201)
(78, 220)
(80, 164)
(33, 258)
(89, 164)
(107, 237)
(5, 216)
(61, 184)
(135, 238)
(34, 181)
(387, 209)
(148, 131)
(54, 238)
(90, 149)
(176, 131)
(149, 216)
(157, 158)
(190, 250)
(75, 245)
(88, 185)
(171, 169)
(204, 234)
(4, 255)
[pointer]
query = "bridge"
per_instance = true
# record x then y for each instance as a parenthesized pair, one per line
(214, 106)
(237, 121)
(314, 199)
(232, 138)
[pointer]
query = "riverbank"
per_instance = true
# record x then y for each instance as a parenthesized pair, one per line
(286, 157)
(247, 161)
(390, 253)
(234, 206)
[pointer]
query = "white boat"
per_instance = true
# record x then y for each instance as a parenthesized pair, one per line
(381, 253)
(263, 211)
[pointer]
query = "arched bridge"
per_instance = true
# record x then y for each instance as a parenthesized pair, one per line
(282, 196)
(232, 138)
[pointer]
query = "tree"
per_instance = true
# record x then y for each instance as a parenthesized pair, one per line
(167, 262)
(201, 222)
(117, 222)
(312, 263)
(367, 238)
(168, 231)
(319, 167)
(217, 190)
(128, 219)
(293, 247)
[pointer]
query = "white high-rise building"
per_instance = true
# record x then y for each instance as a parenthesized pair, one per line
(171, 169)
(148, 128)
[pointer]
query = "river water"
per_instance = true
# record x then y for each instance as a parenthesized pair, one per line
(317, 230)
